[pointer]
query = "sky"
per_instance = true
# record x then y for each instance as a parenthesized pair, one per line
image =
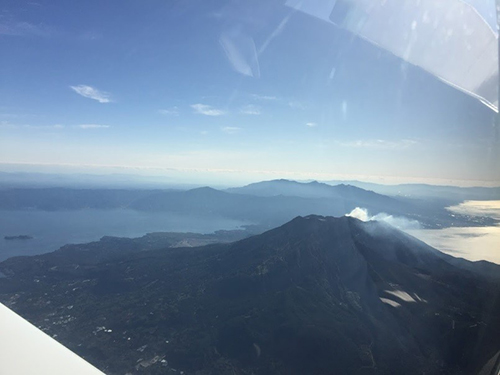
(225, 91)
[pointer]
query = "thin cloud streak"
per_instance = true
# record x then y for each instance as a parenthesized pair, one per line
(8, 125)
(230, 129)
(207, 110)
(264, 97)
(295, 104)
(380, 144)
(311, 124)
(92, 93)
(174, 111)
(92, 126)
(56, 126)
(250, 110)
(21, 28)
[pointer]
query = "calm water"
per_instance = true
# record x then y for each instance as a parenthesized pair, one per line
(482, 243)
(52, 230)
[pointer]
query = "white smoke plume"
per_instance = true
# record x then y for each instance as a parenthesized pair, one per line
(396, 221)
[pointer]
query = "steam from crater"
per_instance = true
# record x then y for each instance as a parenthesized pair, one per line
(399, 222)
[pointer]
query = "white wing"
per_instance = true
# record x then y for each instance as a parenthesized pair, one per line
(26, 350)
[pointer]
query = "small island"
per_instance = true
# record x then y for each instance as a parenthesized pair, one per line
(20, 237)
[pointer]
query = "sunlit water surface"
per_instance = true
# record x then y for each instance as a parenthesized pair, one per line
(472, 243)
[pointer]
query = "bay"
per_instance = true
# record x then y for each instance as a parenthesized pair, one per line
(472, 243)
(52, 229)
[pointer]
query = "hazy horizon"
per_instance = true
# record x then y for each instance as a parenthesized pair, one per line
(115, 174)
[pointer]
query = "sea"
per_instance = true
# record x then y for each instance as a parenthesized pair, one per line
(472, 243)
(52, 229)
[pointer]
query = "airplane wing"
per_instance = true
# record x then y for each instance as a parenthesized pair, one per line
(26, 350)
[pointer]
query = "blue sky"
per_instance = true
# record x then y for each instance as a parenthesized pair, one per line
(224, 90)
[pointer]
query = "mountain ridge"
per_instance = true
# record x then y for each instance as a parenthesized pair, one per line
(267, 210)
(312, 189)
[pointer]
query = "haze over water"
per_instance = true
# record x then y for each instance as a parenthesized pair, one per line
(472, 243)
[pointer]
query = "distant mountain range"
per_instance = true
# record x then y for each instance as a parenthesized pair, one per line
(270, 208)
(318, 295)
(265, 204)
(312, 189)
(15, 180)
(453, 194)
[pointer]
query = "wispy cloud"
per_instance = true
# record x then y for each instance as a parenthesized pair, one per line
(92, 126)
(230, 129)
(92, 93)
(311, 124)
(173, 111)
(55, 126)
(295, 104)
(9, 125)
(207, 110)
(11, 27)
(250, 110)
(264, 97)
(380, 144)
